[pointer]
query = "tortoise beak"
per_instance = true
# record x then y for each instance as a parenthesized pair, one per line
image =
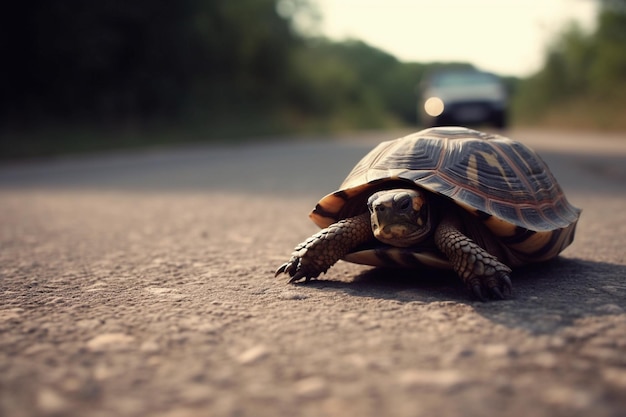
(401, 233)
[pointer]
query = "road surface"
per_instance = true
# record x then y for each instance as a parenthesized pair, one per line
(141, 283)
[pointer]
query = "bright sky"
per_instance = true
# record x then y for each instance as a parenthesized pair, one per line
(508, 37)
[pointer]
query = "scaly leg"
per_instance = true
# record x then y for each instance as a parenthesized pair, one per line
(477, 268)
(319, 252)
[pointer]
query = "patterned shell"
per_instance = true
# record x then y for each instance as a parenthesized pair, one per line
(502, 182)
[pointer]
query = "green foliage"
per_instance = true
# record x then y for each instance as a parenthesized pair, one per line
(247, 67)
(221, 67)
(608, 68)
(583, 74)
(211, 63)
(339, 83)
(352, 84)
(115, 61)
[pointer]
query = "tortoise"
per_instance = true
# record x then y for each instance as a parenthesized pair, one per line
(444, 197)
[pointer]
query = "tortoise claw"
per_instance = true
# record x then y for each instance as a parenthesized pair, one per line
(507, 285)
(495, 291)
(281, 269)
(478, 293)
(297, 270)
(502, 288)
(495, 287)
(298, 276)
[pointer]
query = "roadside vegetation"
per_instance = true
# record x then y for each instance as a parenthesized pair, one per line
(583, 80)
(82, 76)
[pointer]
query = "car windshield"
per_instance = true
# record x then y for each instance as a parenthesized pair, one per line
(455, 79)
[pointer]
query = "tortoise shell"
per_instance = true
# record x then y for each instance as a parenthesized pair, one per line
(501, 182)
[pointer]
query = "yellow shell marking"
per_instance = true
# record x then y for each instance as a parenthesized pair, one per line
(492, 161)
(472, 170)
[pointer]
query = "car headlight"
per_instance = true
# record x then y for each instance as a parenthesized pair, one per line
(434, 106)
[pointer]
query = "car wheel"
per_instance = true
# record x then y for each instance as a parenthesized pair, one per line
(499, 120)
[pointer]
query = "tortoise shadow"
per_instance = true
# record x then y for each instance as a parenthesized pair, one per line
(546, 297)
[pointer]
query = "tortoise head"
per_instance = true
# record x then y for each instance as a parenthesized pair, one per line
(400, 217)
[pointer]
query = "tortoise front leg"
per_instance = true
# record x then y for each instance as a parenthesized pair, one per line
(319, 252)
(478, 268)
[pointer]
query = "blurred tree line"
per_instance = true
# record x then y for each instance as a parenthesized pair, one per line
(235, 64)
(583, 79)
(118, 61)
(246, 67)
(352, 84)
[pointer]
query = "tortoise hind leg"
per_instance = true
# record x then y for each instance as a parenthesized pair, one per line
(322, 250)
(478, 269)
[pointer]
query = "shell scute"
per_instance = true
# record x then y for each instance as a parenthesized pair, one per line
(477, 201)
(535, 217)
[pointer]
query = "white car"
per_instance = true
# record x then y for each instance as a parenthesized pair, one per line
(463, 97)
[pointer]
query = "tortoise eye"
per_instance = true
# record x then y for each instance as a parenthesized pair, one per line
(405, 204)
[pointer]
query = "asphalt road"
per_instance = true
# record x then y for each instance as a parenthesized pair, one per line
(142, 284)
